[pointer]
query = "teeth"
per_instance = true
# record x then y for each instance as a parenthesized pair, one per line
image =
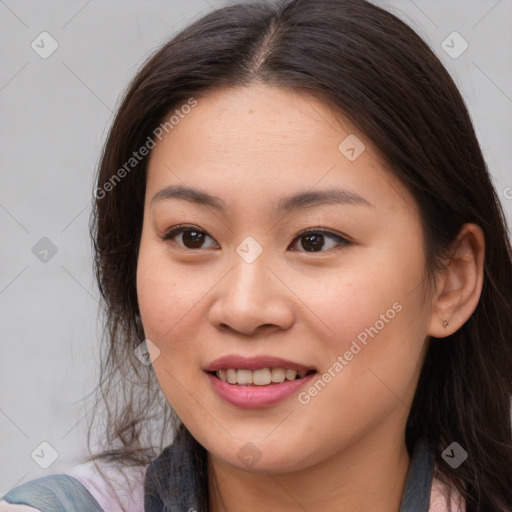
(290, 374)
(261, 377)
(278, 375)
(244, 376)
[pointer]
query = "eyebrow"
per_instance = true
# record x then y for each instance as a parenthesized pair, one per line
(300, 200)
(318, 197)
(189, 194)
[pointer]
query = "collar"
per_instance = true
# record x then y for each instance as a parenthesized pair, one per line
(416, 496)
(165, 493)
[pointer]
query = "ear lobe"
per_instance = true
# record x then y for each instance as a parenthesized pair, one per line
(459, 285)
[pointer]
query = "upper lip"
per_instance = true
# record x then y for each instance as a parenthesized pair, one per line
(254, 363)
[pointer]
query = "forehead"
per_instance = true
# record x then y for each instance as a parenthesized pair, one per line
(262, 140)
(257, 118)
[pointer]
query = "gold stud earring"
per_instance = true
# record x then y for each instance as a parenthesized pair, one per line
(446, 323)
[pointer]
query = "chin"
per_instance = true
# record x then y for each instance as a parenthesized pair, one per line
(261, 457)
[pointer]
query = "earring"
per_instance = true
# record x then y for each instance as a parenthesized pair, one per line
(446, 323)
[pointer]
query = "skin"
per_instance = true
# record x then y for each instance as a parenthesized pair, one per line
(251, 147)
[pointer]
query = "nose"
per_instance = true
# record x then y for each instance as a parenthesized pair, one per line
(251, 300)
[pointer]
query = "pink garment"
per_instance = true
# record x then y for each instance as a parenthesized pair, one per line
(124, 490)
(128, 490)
(441, 495)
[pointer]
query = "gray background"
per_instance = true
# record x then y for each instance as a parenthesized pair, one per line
(55, 113)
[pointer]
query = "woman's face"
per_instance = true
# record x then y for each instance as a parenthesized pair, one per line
(300, 254)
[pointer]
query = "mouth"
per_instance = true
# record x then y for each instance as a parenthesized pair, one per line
(257, 382)
(260, 377)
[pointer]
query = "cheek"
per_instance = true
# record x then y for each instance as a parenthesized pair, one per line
(166, 301)
(165, 292)
(364, 304)
(379, 323)
(375, 319)
(157, 292)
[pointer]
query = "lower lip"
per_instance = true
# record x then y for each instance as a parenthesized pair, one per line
(253, 397)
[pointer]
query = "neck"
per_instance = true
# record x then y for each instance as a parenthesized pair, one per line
(367, 476)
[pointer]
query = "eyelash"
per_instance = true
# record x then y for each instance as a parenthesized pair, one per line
(183, 228)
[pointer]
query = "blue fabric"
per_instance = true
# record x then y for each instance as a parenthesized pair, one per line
(165, 493)
(54, 493)
(416, 496)
(163, 490)
(64, 493)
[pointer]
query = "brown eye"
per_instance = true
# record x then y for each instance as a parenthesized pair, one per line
(317, 241)
(190, 238)
(314, 242)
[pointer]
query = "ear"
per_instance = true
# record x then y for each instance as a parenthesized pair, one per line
(459, 284)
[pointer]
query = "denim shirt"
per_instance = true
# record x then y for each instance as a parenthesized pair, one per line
(64, 493)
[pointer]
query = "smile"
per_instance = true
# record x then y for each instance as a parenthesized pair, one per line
(262, 377)
(256, 382)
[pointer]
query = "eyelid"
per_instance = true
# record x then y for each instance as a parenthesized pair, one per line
(343, 240)
(180, 227)
(323, 231)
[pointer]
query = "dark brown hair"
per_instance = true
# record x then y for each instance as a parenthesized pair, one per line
(375, 70)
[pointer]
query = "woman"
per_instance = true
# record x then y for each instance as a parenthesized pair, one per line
(293, 212)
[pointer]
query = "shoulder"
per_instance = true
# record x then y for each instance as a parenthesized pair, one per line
(51, 493)
(116, 488)
(444, 497)
(95, 487)
(9, 507)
